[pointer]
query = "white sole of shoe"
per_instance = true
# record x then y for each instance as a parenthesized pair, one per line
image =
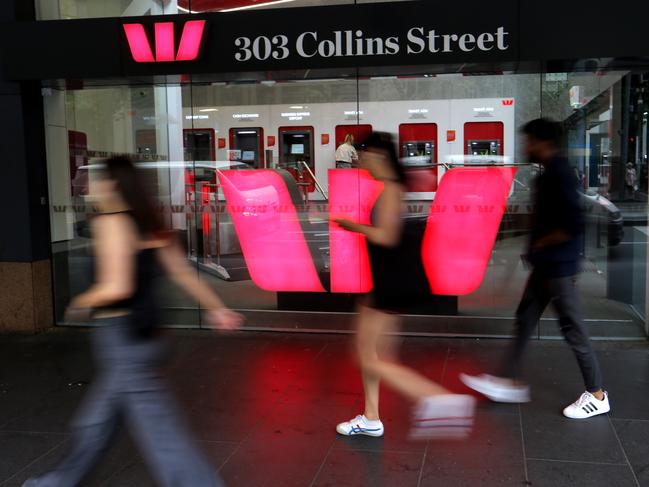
(342, 432)
(495, 393)
(596, 413)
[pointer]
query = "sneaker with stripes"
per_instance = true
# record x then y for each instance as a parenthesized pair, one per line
(360, 425)
(448, 416)
(587, 406)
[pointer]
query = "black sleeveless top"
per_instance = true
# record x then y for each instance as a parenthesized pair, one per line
(143, 303)
(399, 280)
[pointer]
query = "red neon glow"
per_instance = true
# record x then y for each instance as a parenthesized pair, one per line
(352, 193)
(164, 41)
(138, 43)
(271, 237)
(190, 40)
(205, 203)
(462, 227)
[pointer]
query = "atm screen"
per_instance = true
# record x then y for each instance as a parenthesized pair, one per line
(248, 155)
(484, 147)
(297, 148)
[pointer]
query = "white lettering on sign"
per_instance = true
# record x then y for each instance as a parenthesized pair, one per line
(296, 114)
(351, 43)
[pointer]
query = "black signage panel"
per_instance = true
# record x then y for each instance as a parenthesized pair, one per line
(405, 33)
(380, 34)
(367, 36)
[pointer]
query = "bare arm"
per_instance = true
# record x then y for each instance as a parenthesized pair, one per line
(179, 270)
(173, 260)
(387, 230)
(115, 244)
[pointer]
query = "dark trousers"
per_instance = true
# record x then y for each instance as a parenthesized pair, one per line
(129, 390)
(562, 292)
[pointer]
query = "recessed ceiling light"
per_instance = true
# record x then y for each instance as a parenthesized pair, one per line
(209, 110)
(297, 107)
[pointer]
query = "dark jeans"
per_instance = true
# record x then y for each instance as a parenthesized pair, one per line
(129, 390)
(562, 292)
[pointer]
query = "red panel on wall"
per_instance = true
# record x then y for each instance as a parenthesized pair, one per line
(420, 179)
(360, 132)
(484, 131)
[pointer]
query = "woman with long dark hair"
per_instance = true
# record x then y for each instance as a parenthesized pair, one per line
(398, 283)
(132, 248)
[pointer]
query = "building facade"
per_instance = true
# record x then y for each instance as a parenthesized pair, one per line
(235, 109)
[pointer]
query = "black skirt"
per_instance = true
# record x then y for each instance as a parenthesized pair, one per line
(398, 275)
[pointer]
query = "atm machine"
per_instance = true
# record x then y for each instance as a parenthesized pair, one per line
(484, 139)
(199, 144)
(418, 147)
(247, 146)
(296, 146)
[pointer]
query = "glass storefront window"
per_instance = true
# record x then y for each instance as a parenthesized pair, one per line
(205, 142)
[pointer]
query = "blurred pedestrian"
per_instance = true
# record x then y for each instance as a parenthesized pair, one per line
(346, 153)
(630, 180)
(132, 249)
(395, 267)
(554, 253)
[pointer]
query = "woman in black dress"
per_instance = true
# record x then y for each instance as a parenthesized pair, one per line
(398, 282)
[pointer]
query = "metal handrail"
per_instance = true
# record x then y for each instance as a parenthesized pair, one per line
(317, 184)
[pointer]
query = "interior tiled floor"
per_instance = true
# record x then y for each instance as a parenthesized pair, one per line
(264, 407)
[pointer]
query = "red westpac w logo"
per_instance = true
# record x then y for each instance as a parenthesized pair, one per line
(508, 102)
(281, 255)
(165, 42)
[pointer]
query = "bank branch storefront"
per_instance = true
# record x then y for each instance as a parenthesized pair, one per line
(235, 112)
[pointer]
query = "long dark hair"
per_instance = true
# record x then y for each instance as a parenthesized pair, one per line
(384, 142)
(131, 186)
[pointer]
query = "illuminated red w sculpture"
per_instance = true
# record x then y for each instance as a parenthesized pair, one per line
(165, 45)
(461, 229)
(266, 220)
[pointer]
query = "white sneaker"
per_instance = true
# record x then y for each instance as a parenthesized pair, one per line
(496, 388)
(360, 425)
(587, 406)
(447, 416)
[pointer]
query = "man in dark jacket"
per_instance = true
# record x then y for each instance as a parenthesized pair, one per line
(553, 253)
